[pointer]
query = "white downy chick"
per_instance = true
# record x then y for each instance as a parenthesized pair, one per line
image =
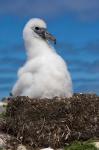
(45, 74)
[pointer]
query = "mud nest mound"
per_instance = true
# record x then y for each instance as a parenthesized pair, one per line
(53, 122)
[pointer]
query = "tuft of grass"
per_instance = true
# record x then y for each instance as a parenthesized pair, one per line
(3, 115)
(81, 146)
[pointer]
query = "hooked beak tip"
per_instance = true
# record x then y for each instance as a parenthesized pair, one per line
(55, 41)
(50, 37)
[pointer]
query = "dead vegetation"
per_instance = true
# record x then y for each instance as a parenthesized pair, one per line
(53, 122)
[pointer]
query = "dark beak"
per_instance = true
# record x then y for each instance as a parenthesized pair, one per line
(50, 37)
(46, 35)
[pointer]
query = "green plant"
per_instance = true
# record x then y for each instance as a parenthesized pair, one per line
(3, 115)
(81, 146)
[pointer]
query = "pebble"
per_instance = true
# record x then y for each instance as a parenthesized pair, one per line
(47, 148)
(21, 147)
(96, 144)
(2, 144)
(50, 149)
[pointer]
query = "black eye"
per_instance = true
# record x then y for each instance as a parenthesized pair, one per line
(37, 28)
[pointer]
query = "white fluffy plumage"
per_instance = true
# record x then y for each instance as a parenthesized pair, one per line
(45, 73)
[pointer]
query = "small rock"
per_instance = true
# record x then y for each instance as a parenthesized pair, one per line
(2, 144)
(96, 144)
(50, 149)
(47, 148)
(21, 147)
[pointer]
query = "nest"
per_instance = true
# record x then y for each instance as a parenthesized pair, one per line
(53, 122)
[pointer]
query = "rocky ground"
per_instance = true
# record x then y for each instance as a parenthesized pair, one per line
(56, 123)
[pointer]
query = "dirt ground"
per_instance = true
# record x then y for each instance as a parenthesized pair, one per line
(53, 122)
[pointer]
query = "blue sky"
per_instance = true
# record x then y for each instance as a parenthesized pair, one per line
(75, 24)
